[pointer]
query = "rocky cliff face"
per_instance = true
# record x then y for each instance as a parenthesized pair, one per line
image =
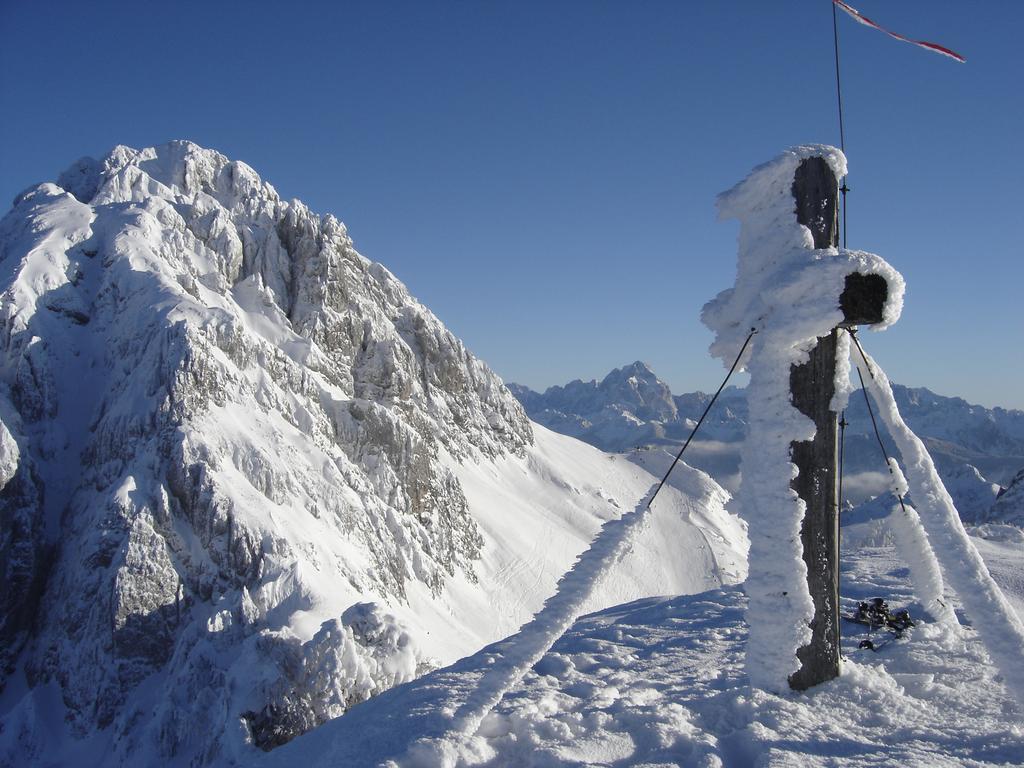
(1009, 506)
(212, 411)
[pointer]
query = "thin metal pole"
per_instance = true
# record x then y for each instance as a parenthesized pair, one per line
(839, 98)
(839, 89)
(842, 450)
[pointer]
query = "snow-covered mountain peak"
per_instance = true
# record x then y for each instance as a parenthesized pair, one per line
(180, 168)
(216, 413)
(247, 481)
(226, 235)
(638, 369)
(639, 388)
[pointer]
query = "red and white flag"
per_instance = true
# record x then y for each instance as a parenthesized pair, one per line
(920, 43)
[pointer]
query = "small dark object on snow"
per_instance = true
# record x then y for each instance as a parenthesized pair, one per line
(901, 620)
(876, 615)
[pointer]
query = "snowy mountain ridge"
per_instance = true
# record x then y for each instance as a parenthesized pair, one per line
(248, 481)
(977, 449)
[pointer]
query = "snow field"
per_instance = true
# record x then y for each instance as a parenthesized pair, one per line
(538, 512)
(510, 659)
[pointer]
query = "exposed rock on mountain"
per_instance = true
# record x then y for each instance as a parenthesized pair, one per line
(1009, 506)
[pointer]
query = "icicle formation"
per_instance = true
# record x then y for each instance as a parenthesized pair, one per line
(998, 625)
(790, 292)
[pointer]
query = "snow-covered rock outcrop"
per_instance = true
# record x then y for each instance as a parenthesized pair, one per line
(1009, 505)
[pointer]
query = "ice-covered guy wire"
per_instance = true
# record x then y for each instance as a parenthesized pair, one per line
(909, 535)
(997, 623)
(704, 415)
(512, 658)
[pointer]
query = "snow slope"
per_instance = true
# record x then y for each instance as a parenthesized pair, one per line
(538, 512)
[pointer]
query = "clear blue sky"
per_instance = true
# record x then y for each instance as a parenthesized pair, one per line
(543, 174)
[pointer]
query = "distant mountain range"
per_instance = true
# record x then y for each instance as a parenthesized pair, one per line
(978, 450)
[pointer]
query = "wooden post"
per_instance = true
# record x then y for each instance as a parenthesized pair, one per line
(812, 384)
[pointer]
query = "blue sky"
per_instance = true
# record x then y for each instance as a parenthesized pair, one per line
(542, 174)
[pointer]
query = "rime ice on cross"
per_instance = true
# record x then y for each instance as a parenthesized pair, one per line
(797, 288)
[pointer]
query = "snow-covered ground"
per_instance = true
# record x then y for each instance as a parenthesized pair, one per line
(1002, 547)
(537, 512)
(660, 682)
